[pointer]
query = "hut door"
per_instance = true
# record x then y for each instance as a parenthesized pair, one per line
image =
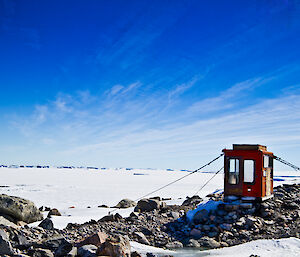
(234, 185)
(268, 165)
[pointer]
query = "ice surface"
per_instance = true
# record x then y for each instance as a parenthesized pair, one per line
(82, 188)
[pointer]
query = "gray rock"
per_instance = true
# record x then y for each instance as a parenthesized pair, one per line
(53, 243)
(47, 224)
(73, 252)
(226, 226)
(87, 251)
(174, 245)
(209, 242)
(6, 222)
(63, 249)
(107, 218)
(195, 233)
(206, 227)
(250, 221)
(193, 243)
(54, 212)
(19, 208)
(147, 205)
(125, 203)
(5, 245)
(141, 238)
(39, 252)
(174, 214)
(194, 200)
(213, 234)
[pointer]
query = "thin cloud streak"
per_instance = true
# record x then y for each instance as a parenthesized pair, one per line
(133, 130)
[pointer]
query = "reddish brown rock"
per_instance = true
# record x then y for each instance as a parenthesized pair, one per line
(96, 239)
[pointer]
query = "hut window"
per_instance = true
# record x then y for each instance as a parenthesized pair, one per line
(234, 171)
(249, 171)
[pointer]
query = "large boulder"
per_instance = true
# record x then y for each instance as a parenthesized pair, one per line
(125, 203)
(19, 208)
(147, 205)
(115, 246)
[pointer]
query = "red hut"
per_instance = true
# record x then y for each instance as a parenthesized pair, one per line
(248, 172)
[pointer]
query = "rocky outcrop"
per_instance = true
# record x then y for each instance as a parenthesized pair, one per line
(164, 226)
(20, 209)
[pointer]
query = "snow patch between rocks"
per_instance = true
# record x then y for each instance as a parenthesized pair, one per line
(263, 248)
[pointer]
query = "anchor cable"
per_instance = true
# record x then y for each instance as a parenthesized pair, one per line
(171, 183)
(215, 174)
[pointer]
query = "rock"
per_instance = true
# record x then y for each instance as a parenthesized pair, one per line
(46, 224)
(5, 222)
(87, 251)
(39, 252)
(115, 246)
(54, 212)
(20, 241)
(118, 217)
(200, 216)
(250, 221)
(134, 215)
(141, 238)
(194, 200)
(96, 239)
(125, 203)
(209, 242)
(5, 245)
(63, 249)
(107, 218)
(73, 252)
(225, 226)
(290, 205)
(193, 243)
(195, 233)
(174, 245)
(19, 208)
(53, 243)
(135, 254)
(103, 206)
(146, 205)
(150, 255)
(213, 234)
(174, 214)
(241, 222)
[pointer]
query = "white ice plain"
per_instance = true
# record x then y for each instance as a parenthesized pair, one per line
(86, 189)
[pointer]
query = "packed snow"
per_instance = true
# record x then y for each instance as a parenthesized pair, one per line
(78, 192)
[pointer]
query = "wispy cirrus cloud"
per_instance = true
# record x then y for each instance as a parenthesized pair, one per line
(135, 131)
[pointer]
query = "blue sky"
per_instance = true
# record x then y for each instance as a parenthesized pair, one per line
(164, 84)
